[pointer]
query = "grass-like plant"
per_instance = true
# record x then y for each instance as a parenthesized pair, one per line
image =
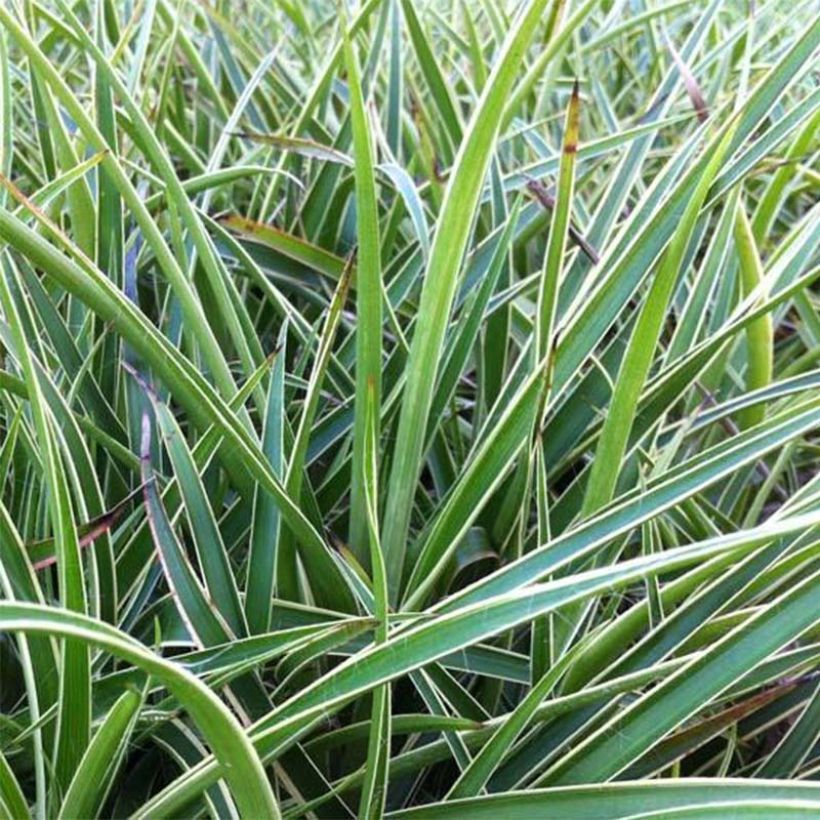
(409, 408)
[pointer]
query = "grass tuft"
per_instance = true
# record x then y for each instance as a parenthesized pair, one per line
(409, 409)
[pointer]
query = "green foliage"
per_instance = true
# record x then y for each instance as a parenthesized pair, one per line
(409, 409)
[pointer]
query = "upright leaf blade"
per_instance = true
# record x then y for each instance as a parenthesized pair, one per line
(440, 282)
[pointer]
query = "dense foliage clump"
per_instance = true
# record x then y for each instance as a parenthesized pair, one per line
(409, 408)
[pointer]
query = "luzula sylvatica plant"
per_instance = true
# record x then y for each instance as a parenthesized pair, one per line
(409, 408)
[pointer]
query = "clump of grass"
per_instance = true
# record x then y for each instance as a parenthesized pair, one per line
(408, 408)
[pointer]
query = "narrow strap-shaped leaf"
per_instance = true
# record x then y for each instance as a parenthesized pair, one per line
(621, 800)
(98, 768)
(468, 325)
(439, 289)
(110, 223)
(226, 661)
(71, 357)
(690, 738)
(484, 472)
(406, 188)
(641, 348)
(12, 800)
(439, 90)
(473, 779)
(6, 133)
(600, 695)
(760, 332)
(266, 522)
(139, 549)
(194, 607)
(374, 791)
(230, 745)
(718, 595)
(766, 208)
(291, 246)
(208, 544)
(75, 679)
(323, 573)
(38, 656)
(556, 36)
(557, 240)
(368, 302)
